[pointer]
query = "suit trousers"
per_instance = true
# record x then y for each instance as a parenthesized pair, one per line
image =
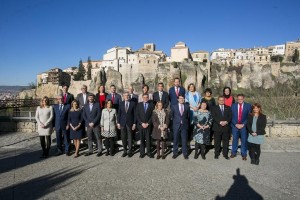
(145, 135)
(62, 136)
(221, 136)
(45, 143)
(96, 131)
(126, 136)
(183, 133)
(236, 134)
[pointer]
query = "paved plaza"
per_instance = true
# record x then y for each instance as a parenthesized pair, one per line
(23, 175)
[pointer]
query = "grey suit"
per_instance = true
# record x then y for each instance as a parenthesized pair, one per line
(80, 99)
(92, 116)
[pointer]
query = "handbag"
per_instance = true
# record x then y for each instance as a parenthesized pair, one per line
(259, 139)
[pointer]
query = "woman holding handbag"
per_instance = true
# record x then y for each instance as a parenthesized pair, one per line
(256, 125)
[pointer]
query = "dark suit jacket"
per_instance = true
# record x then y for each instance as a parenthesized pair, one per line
(246, 111)
(141, 116)
(260, 124)
(217, 117)
(164, 99)
(79, 98)
(69, 99)
(135, 98)
(173, 96)
(60, 120)
(126, 118)
(91, 116)
(117, 100)
(177, 118)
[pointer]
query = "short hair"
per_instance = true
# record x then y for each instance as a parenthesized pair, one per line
(84, 86)
(106, 102)
(145, 85)
(191, 84)
(208, 90)
(241, 95)
(221, 96)
(59, 95)
(160, 83)
(91, 95)
(180, 95)
(126, 93)
(146, 94)
(176, 78)
(112, 86)
(65, 85)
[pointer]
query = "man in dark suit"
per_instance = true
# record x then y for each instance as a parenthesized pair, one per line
(175, 91)
(91, 116)
(133, 97)
(144, 111)
(240, 112)
(161, 95)
(82, 97)
(126, 122)
(67, 97)
(60, 121)
(114, 97)
(180, 117)
(221, 115)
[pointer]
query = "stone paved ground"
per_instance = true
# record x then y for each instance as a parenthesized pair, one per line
(23, 175)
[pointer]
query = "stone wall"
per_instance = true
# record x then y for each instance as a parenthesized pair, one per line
(15, 126)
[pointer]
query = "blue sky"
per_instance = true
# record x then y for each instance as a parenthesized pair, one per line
(36, 35)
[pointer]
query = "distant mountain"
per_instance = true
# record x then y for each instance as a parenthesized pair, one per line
(13, 89)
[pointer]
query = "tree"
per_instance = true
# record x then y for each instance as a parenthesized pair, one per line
(32, 85)
(295, 57)
(277, 58)
(89, 69)
(81, 72)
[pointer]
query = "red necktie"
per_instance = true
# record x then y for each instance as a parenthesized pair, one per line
(240, 113)
(113, 98)
(65, 97)
(177, 91)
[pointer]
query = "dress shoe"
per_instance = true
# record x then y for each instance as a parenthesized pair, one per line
(142, 155)
(216, 157)
(226, 157)
(203, 157)
(252, 161)
(88, 154)
(58, 153)
(130, 154)
(68, 154)
(158, 157)
(124, 154)
(196, 156)
(99, 154)
(150, 156)
(186, 157)
(107, 153)
(43, 156)
(257, 162)
(232, 156)
(163, 157)
(244, 158)
(174, 156)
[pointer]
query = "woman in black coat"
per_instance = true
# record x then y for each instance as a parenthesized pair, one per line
(256, 125)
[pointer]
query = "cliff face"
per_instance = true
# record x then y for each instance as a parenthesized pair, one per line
(201, 74)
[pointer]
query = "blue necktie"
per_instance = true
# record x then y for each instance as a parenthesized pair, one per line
(60, 109)
(145, 107)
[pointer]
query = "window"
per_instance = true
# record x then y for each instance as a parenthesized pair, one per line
(148, 61)
(154, 61)
(139, 61)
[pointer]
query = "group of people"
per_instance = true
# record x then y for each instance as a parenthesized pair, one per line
(177, 115)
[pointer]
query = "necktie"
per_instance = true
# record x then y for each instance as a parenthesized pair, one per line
(181, 109)
(130, 96)
(65, 97)
(222, 109)
(60, 109)
(160, 95)
(145, 107)
(177, 91)
(91, 107)
(240, 113)
(113, 98)
(126, 106)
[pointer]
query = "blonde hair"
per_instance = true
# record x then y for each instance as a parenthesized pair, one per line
(72, 107)
(47, 103)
